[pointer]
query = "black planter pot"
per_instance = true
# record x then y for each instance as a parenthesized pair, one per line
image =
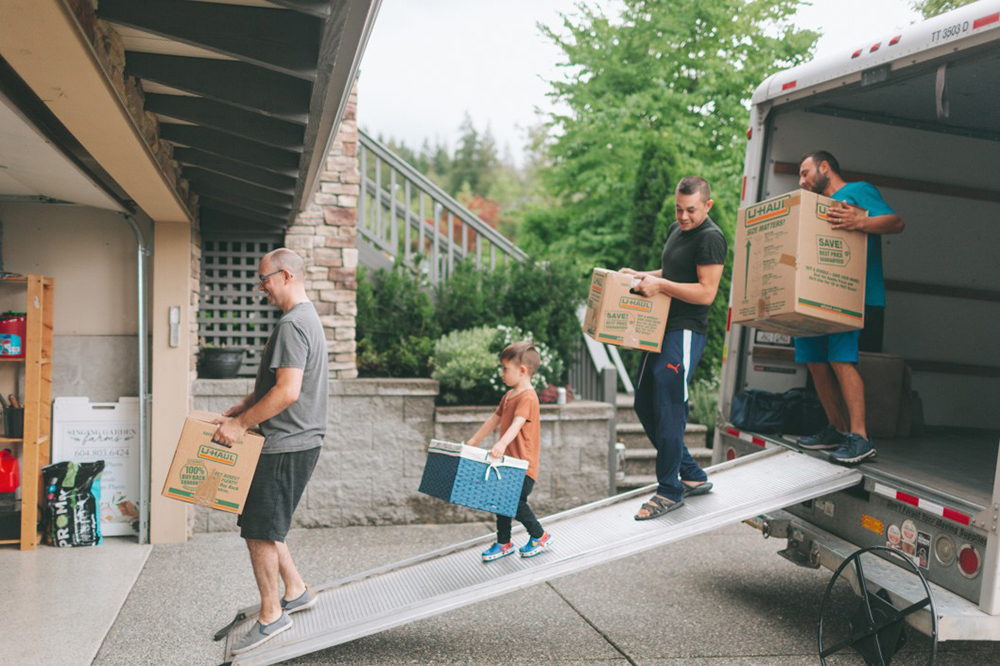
(220, 362)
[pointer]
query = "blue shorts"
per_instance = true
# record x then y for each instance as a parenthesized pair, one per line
(842, 347)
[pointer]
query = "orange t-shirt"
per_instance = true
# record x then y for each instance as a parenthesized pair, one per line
(526, 444)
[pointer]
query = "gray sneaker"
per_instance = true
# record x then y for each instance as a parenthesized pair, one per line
(261, 633)
(305, 600)
(827, 438)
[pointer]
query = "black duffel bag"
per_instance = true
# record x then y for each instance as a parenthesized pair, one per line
(758, 411)
(794, 412)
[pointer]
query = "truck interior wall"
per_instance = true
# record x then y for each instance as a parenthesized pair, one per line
(91, 253)
(949, 241)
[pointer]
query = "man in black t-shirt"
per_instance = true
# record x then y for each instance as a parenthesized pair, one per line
(693, 258)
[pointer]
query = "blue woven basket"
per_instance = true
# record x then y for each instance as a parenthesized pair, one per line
(466, 475)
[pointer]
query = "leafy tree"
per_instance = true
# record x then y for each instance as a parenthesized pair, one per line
(676, 74)
(932, 8)
(653, 185)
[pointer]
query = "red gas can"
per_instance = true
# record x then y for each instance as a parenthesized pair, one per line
(10, 473)
(13, 328)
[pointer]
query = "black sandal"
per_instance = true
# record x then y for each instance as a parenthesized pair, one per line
(700, 489)
(657, 506)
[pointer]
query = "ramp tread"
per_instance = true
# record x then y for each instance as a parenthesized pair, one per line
(454, 577)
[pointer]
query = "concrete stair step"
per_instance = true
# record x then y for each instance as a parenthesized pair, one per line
(642, 462)
(634, 436)
(633, 482)
(624, 412)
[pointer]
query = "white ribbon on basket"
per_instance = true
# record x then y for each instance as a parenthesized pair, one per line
(493, 464)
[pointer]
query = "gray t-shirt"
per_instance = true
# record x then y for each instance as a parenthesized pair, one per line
(297, 341)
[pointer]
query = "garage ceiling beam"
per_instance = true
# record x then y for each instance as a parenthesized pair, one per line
(227, 118)
(246, 86)
(200, 179)
(317, 8)
(279, 40)
(209, 202)
(222, 194)
(233, 147)
(216, 224)
(227, 167)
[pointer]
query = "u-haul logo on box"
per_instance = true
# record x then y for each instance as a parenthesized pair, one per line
(635, 304)
(769, 211)
(215, 455)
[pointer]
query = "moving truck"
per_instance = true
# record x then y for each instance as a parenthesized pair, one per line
(915, 112)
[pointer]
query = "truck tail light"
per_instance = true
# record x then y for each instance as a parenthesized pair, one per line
(968, 560)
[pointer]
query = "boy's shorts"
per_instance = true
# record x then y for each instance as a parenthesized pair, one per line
(277, 487)
(841, 347)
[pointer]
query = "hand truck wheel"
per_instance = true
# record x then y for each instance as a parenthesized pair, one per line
(877, 628)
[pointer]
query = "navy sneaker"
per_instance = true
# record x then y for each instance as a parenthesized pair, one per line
(827, 438)
(497, 550)
(535, 546)
(855, 449)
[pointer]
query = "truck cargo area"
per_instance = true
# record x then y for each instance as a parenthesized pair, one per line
(916, 114)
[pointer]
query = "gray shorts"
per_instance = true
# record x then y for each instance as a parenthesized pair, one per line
(275, 491)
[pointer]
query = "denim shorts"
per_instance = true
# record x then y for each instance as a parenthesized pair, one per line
(275, 491)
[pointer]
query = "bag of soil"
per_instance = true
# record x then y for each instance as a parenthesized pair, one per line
(72, 498)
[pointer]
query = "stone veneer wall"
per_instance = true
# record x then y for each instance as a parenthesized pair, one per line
(373, 457)
(324, 235)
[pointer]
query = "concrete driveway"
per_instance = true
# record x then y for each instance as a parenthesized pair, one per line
(720, 599)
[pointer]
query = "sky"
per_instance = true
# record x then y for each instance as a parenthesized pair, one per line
(428, 62)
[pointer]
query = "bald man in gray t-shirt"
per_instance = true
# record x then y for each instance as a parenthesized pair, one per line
(289, 402)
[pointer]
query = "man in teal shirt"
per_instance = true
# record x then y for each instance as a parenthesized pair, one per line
(832, 359)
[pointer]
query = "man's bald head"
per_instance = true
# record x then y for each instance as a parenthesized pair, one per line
(284, 259)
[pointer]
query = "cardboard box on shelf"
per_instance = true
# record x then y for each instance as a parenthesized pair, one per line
(617, 316)
(210, 474)
(792, 273)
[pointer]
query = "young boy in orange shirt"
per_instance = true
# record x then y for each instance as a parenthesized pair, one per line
(518, 418)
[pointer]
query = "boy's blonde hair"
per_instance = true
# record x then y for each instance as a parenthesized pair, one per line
(522, 353)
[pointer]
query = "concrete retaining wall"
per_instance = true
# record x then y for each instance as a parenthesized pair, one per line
(375, 449)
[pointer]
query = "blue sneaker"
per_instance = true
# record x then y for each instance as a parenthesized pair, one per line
(535, 546)
(828, 438)
(854, 449)
(496, 551)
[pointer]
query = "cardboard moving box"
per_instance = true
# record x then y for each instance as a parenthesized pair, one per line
(619, 317)
(210, 474)
(792, 273)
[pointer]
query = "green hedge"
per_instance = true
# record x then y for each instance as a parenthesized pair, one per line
(398, 321)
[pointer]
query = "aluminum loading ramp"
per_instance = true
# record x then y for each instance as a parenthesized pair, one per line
(593, 534)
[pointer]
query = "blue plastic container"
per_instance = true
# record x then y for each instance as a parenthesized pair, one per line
(465, 475)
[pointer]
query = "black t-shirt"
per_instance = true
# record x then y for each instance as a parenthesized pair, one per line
(683, 252)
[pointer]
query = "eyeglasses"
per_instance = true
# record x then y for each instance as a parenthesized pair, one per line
(263, 278)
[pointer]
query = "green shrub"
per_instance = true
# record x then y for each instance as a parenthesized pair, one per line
(463, 363)
(703, 402)
(396, 327)
(541, 297)
(467, 364)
